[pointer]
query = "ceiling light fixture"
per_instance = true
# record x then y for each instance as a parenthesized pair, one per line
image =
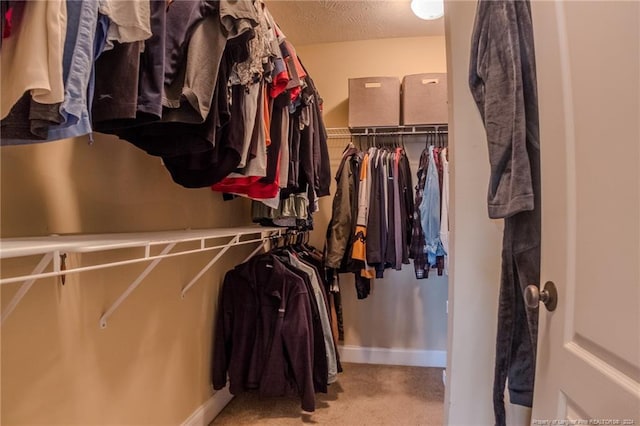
(428, 9)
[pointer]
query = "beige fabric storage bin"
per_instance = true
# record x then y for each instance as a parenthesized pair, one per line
(424, 99)
(374, 101)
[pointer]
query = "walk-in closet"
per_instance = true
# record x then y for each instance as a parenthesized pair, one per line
(271, 212)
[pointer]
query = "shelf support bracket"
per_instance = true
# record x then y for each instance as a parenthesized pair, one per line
(208, 266)
(133, 286)
(257, 249)
(25, 287)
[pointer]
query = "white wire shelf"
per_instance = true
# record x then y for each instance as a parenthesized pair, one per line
(55, 247)
(405, 130)
(86, 243)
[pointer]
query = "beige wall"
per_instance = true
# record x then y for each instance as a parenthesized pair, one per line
(332, 64)
(401, 312)
(151, 364)
(476, 241)
(72, 186)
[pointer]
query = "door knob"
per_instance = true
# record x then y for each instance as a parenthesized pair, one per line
(548, 295)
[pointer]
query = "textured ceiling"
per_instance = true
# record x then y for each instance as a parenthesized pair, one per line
(309, 22)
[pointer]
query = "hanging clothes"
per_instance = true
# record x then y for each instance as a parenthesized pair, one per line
(320, 299)
(341, 231)
(430, 211)
(430, 226)
(314, 258)
(274, 331)
(377, 220)
(444, 211)
(130, 21)
(214, 88)
(263, 332)
(374, 200)
(320, 360)
(32, 58)
(83, 44)
(503, 85)
(390, 252)
(418, 244)
(405, 187)
(84, 41)
(6, 18)
(344, 212)
(190, 82)
(439, 266)
(359, 249)
(397, 209)
(36, 45)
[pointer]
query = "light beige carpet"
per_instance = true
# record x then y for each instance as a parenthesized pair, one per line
(363, 395)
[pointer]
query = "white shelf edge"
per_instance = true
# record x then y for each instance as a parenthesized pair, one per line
(86, 243)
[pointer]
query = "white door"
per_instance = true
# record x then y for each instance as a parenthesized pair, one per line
(588, 365)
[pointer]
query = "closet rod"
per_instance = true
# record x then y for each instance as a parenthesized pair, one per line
(346, 132)
(426, 132)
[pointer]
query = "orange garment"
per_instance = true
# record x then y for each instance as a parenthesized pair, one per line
(359, 251)
(266, 118)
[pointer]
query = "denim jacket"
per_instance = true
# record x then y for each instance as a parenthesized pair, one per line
(430, 213)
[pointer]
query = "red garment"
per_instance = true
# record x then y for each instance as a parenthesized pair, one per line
(257, 187)
(7, 23)
(294, 93)
(251, 186)
(279, 84)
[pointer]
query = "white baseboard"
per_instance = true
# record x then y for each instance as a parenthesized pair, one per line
(208, 411)
(388, 356)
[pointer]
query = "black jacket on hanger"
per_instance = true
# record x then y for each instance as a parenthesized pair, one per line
(264, 332)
